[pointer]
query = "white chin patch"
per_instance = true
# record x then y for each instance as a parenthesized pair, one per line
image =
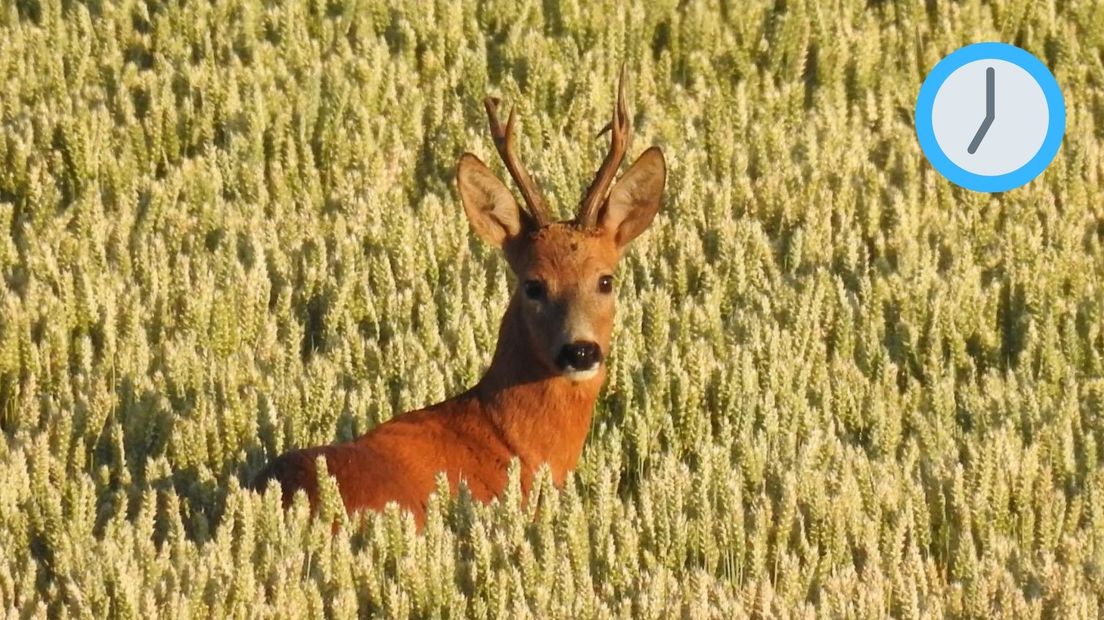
(581, 375)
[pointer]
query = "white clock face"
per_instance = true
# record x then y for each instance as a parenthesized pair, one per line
(1015, 130)
(990, 117)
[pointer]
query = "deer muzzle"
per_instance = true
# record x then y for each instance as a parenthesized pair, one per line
(579, 358)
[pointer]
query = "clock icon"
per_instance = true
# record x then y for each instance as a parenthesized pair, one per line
(990, 117)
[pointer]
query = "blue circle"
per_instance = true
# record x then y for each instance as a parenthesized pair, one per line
(1056, 117)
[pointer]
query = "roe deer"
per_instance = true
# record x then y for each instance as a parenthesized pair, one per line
(536, 399)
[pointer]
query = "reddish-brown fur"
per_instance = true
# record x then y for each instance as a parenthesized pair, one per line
(526, 405)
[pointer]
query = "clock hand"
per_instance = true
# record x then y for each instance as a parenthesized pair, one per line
(990, 109)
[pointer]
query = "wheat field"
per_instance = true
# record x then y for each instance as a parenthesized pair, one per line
(840, 386)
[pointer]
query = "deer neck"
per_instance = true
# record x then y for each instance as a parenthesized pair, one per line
(543, 416)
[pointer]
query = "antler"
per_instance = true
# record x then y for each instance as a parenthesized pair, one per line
(620, 133)
(504, 142)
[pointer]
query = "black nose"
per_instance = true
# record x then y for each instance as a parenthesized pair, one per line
(579, 355)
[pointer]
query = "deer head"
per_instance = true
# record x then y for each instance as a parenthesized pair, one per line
(565, 269)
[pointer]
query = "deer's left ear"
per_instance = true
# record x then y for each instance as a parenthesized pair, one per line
(634, 199)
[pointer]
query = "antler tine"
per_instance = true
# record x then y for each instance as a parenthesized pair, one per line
(504, 142)
(620, 130)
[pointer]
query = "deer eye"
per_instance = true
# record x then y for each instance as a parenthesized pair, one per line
(605, 284)
(534, 289)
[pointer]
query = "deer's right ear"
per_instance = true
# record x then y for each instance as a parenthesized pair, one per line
(491, 208)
